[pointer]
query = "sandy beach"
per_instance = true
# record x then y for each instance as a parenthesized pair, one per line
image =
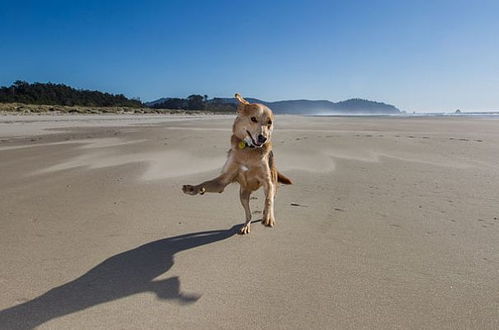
(390, 223)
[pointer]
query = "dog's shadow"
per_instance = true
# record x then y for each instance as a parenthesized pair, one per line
(122, 275)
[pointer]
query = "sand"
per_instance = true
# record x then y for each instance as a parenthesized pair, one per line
(390, 223)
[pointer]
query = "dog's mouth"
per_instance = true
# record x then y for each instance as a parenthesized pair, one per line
(253, 142)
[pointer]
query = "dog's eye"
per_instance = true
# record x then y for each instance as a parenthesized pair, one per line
(270, 122)
(253, 119)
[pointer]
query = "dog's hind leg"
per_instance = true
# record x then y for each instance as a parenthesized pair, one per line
(244, 195)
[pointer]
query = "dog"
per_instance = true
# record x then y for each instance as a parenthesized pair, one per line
(250, 162)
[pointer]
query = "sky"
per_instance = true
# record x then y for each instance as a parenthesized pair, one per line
(423, 56)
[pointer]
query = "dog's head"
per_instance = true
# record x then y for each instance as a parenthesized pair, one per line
(254, 123)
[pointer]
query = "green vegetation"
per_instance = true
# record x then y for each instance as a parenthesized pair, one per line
(22, 108)
(75, 100)
(59, 94)
(195, 102)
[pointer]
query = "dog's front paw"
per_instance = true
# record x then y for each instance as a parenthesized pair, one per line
(268, 221)
(245, 229)
(193, 190)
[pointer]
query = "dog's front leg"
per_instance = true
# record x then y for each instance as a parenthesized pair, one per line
(215, 185)
(268, 210)
(244, 195)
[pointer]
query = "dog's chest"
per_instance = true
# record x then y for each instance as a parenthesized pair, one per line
(246, 163)
(249, 166)
(248, 170)
(249, 177)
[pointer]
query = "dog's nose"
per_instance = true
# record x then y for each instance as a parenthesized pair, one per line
(261, 138)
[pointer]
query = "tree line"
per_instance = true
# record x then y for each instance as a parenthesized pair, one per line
(196, 102)
(60, 94)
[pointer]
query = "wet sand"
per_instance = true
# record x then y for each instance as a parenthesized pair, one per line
(390, 223)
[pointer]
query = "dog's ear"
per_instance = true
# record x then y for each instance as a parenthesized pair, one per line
(240, 99)
(242, 107)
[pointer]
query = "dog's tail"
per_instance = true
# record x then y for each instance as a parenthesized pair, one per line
(283, 179)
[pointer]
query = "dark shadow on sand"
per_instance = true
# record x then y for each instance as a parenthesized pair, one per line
(122, 275)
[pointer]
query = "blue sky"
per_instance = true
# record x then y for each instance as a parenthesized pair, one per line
(418, 55)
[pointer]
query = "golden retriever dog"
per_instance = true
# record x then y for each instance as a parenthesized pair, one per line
(250, 161)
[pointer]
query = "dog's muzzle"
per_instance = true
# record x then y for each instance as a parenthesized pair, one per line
(252, 143)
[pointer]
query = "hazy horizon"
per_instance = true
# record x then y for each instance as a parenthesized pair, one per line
(417, 56)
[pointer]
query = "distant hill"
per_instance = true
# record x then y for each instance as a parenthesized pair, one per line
(158, 101)
(351, 106)
(60, 94)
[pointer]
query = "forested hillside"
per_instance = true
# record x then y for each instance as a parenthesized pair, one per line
(60, 94)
